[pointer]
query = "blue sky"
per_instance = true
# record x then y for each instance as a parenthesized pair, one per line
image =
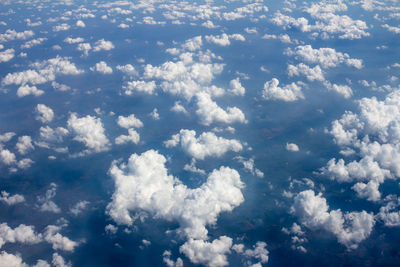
(199, 133)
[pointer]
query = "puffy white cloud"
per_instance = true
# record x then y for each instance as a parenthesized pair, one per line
(185, 80)
(178, 108)
(21, 234)
(11, 199)
(236, 87)
(139, 86)
(249, 165)
(222, 40)
(350, 228)
(311, 74)
(60, 87)
(102, 67)
(7, 157)
(43, 72)
(206, 145)
(44, 113)
(79, 207)
(46, 202)
(343, 90)
(132, 137)
(58, 241)
(11, 35)
(209, 112)
(326, 21)
(193, 44)
(373, 134)
(127, 69)
(25, 90)
(103, 45)
(33, 43)
(7, 55)
(143, 184)
(89, 130)
(11, 260)
(259, 252)
(129, 122)
(6, 137)
(288, 93)
(292, 147)
(211, 254)
(80, 24)
(171, 263)
(58, 261)
(85, 48)
(154, 114)
(25, 163)
(24, 144)
(61, 27)
(392, 28)
(325, 57)
(388, 213)
(77, 40)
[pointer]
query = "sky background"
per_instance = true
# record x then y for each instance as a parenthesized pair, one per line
(199, 133)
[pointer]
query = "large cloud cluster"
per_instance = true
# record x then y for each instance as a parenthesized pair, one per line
(350, 228)
(372, 134)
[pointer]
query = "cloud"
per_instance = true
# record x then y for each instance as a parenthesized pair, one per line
(127, 69)
(102, 67)
(249, 165)
(79, 207)
(46, 202)
(103, 45)
(185, 80)
(390, 213)
(80, 24)
(393, 29)
(206, 145)
(259, 252)
(33, 43)
(44, 113)
(325, 57)
(11, 35)
(292, 147)
(26, 90)
(133, 137)
(221, 40)
(208, 253)
(209, 112)
(11, 199)
(154, 114)
(21, 234)
(11, 260)
(236, 87)
(24, 144)
(89, 130)
(77, 40)
(7, 157)
(350, 228)
(58, 261)
(178, 108)
(143, 184)
(311, 74)
(288, 93)
(373, 134)
(43, 72)
(6, 137)
(61, 27)
(58, 242)
(129, 122)
(7, 55)
(140, 87)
